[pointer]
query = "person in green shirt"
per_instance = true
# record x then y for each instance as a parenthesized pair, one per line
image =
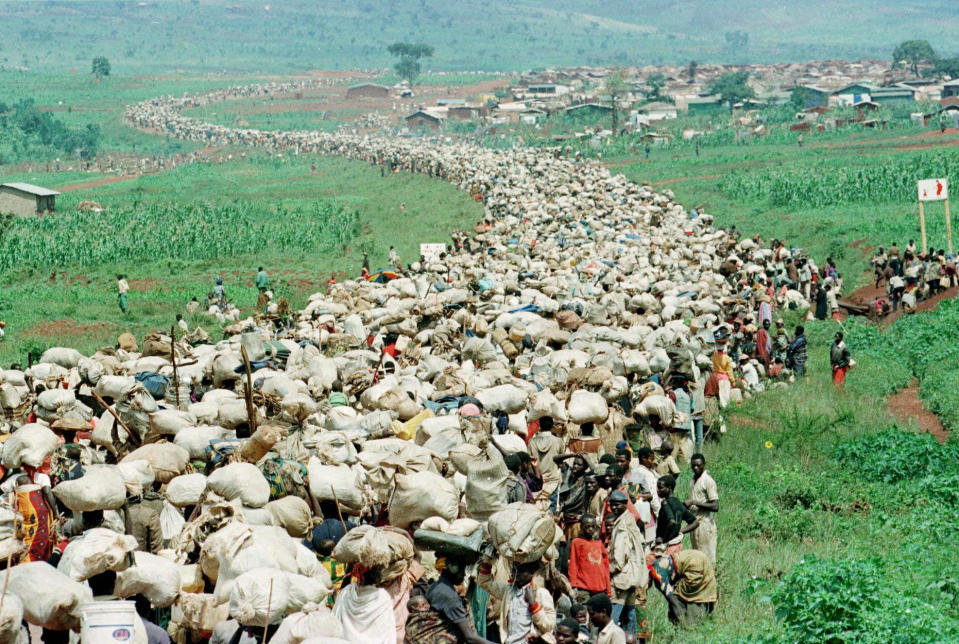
(262, 280)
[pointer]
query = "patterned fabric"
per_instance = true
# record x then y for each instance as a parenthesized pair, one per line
(37, 524)
(427, 627)
(286, 478)
(661, 572)
(63, 468)
(338, 572)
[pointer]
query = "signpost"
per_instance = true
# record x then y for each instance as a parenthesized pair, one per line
(934, 190)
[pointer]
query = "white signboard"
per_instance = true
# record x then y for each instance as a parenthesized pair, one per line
(432, 252)
(933, 190)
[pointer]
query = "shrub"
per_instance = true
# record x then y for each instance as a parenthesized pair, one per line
(894, 455)
(826, 600)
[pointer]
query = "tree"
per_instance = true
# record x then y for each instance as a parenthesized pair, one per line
(655, 83)
(691, 70)
(616, 88)
(409, 54)
(101, 67)
(797, 99)
(913, 52)
(947, 66)
(732, 87)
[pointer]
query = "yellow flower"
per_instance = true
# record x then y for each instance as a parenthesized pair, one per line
(769, 444)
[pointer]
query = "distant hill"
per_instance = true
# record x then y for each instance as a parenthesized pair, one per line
(285, 35)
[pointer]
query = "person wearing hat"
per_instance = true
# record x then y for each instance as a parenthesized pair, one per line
(627, 561)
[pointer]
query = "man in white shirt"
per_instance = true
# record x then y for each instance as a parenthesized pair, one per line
(704, 503)
(646, 471)
(600, 610)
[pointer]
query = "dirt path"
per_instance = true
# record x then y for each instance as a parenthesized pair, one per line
(201, 154)
(102, 181)
(906, 406)
(867, 295)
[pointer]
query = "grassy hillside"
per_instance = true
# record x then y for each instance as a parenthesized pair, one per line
(173, 233)
(246, 36)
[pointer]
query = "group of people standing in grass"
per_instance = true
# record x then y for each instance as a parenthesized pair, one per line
(911, 276)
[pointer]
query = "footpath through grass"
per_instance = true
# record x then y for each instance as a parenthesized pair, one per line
(172, 234)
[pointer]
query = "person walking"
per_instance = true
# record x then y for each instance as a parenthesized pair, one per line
(796, 354)
(262, 280)
(703, 502)
(627, 561)
(122, 288)
(840, 359)
(219, 294)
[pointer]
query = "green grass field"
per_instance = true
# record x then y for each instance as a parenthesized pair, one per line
(48, 298)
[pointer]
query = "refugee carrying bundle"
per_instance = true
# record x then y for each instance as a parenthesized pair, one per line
(166, 459)
(96, 551)
(293, 514)
(587, 407)
(100, 488)
(521, 532)
(50, 598)
(241, 481)
(186, 489)
(366, 544)
(30, 445)
(259, 597)
(486, 484)
(421, 495)
(341, 481)
(509, 399)
(156, 578)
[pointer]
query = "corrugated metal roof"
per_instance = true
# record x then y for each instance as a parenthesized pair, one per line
(29, 187)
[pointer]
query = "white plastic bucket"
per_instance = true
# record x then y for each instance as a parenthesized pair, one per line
(109, 622)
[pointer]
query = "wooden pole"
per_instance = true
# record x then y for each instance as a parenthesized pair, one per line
(133, 437)
(948, 228)
(922, 227)
(336, 501)
(269, 606)
(176, 380)
(250, 411)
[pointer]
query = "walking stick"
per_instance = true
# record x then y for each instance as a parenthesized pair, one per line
(132, 435)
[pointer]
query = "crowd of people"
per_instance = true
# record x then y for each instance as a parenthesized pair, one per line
(910, 276)
(482, 446)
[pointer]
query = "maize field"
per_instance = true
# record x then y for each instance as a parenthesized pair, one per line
(892, 180)
(198, 231)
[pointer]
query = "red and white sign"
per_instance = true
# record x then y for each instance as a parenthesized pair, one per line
(933, 190)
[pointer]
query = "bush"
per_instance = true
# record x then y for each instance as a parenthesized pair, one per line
(894, 455)
(827, 600)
